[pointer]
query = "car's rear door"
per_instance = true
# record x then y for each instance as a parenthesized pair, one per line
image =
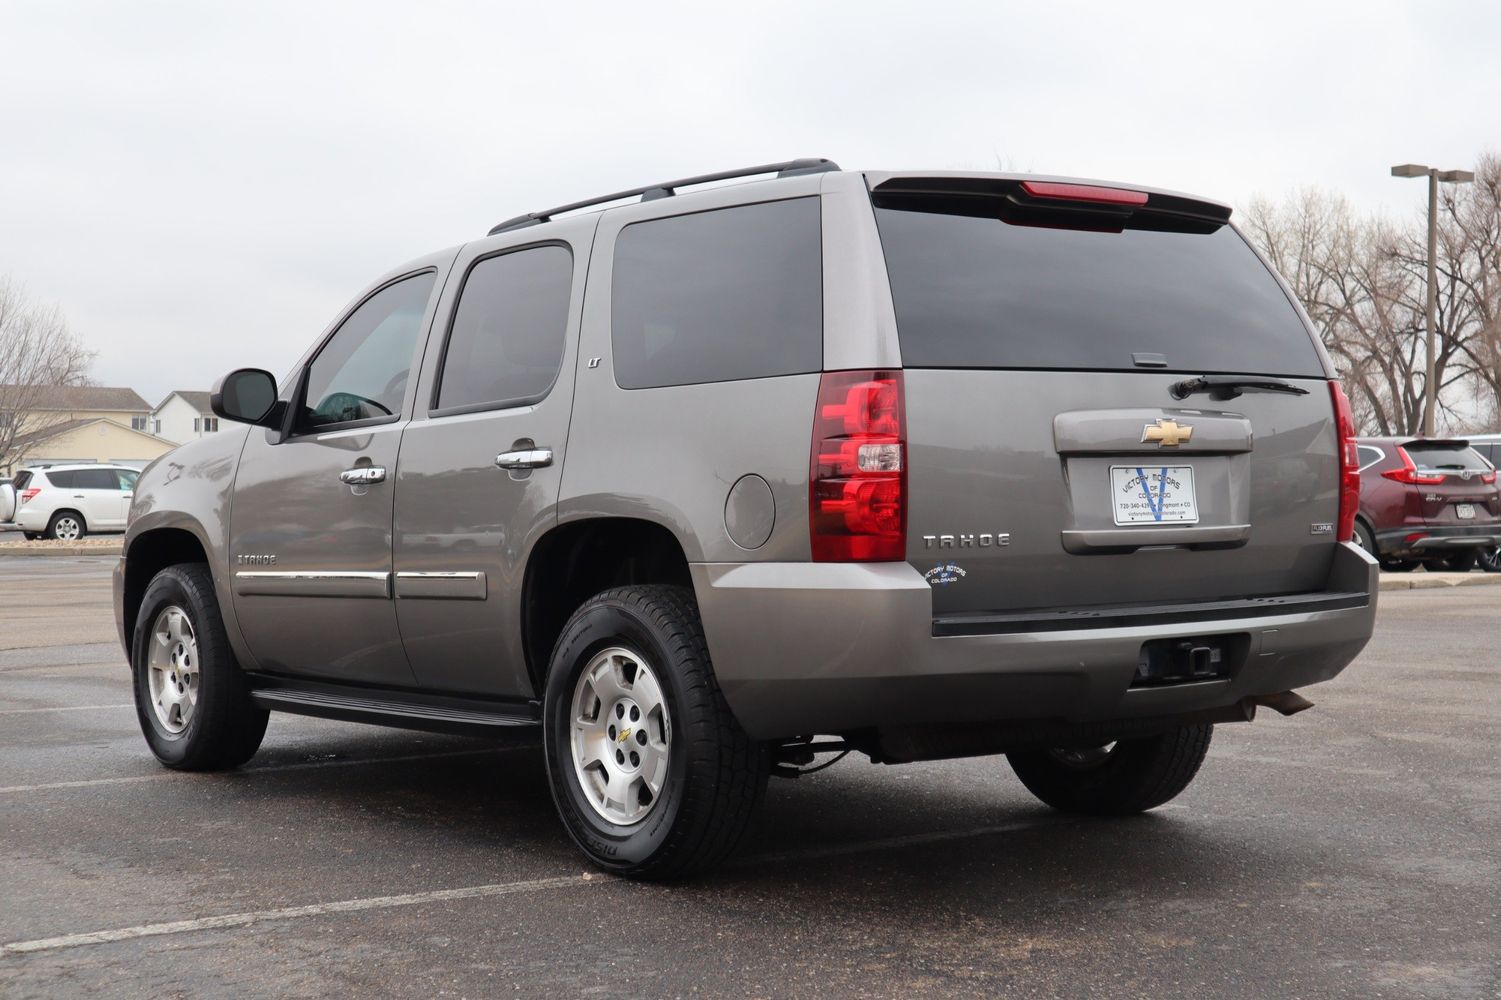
(1056, 458)
(482, 460)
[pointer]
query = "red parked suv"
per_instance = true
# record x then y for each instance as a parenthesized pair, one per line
(1426, 502)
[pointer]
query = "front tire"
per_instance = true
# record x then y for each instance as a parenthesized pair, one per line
(632, 663)
(67, 526)
(1126, 777)
(191, 697)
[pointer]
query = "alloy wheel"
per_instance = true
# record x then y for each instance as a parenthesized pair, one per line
(172, 669)
(621, 736)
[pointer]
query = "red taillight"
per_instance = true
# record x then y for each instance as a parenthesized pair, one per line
(1489, 477)
(857, 477)
(1349, 463)
(28, 494)
(1084, 192)
(1409, 473)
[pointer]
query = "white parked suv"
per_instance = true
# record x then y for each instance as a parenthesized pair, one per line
(66, 502)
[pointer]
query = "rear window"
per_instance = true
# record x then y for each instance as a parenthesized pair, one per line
(734, 293)
(23, 480)
(506, 343)
(1430, 456)
(974, 291)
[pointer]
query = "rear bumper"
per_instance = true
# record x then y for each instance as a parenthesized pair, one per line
(803, 648)
(1438, 539)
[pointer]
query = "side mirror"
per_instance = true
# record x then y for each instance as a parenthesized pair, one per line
(247, 395)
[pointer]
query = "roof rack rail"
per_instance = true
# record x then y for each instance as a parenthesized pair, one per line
(666, 189)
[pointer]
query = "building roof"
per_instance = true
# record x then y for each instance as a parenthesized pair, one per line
(197, 400)
(23, 441)
(86, 397)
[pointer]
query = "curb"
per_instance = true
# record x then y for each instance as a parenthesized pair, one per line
(61, 550)
(1433, 581)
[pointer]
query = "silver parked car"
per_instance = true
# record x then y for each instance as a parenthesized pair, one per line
(701, 486)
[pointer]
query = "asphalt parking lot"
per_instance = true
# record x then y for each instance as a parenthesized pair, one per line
(1354, 850)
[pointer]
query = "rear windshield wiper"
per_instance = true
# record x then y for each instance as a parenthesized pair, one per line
(1230, 386)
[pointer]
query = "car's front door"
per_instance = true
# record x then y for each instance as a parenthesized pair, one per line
(311, 512)
(481, 462)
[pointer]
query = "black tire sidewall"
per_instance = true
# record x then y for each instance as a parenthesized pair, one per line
(1367, 540)
(597, 628)
(174, 586)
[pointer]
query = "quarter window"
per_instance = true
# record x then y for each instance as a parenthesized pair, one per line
(361, 373)
(734, 293)
(506, 342)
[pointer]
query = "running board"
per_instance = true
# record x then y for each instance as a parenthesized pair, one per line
(402, 709)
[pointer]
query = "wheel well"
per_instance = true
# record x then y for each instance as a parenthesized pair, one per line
(573, 562)
(149, 554)
(68, 510)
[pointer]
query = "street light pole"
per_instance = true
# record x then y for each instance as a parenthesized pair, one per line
(1430, 378)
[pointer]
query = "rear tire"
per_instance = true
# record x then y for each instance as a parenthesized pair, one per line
(1457, 562)
(1399, 565)
(67, 526)
(710, 776)
(1130, 776)
(1490, 560)
(191, 697)
(1365, 539)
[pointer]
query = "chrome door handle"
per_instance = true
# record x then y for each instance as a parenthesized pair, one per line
(363, 475)
(526, 458)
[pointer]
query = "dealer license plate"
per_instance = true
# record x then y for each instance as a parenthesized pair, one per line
(1464, 511)
(1153, 494)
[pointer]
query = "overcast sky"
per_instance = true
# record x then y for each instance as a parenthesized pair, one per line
(202, 186)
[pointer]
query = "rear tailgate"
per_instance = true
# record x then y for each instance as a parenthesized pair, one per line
(1456, 486)
(1050, 465)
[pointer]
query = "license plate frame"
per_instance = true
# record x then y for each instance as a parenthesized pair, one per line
(1464, 511)
(1173, 499)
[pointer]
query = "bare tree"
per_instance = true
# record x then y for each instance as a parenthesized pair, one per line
(38, 352)
(1363, 283)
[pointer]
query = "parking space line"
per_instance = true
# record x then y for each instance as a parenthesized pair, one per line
(166, 775)
(65, 708)
(292, 912)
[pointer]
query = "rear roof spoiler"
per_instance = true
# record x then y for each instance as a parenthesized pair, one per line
(1455, 443)
(1011, 187)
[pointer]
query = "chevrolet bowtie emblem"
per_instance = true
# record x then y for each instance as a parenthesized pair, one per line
(625, 735)
(1167, 433)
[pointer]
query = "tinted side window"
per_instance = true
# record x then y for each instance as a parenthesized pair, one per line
(974, 288)
(1368, 455)
(734, 293)
(96, 479)
(506, 342)
(362, 370)
(66, 480)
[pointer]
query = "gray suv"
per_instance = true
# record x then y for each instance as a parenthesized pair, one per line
(701, 486)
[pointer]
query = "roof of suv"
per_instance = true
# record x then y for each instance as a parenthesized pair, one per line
(874, 179)
(69, 466)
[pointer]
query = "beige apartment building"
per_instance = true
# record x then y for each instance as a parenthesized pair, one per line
(84, 424)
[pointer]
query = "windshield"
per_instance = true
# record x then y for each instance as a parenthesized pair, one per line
(1434, 457)
(975, 288)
